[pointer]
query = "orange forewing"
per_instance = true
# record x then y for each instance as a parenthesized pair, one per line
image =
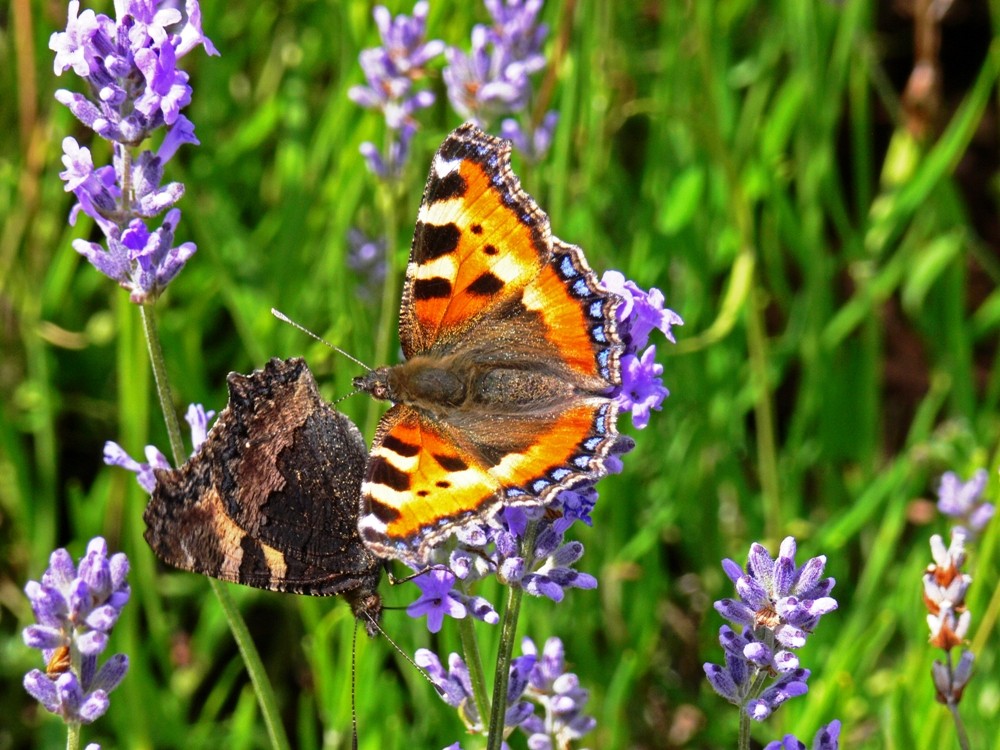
(492, 239)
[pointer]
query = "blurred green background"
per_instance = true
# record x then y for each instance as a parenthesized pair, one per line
(827, 230)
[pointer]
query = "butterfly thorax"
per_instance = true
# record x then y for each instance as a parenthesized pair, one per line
(414, 382)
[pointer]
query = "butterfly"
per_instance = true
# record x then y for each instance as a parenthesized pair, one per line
(271, 498)
(512, 361)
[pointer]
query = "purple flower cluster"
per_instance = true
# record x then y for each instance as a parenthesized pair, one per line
(454, 685)
(367, 257)
(827, 738)
(494, 77)
(948, 618)
(497, 547)
(537, 680)
(114, 455)
(75, 609)
(780, 604)
(559, 695)
(391, 72)
(130, 67)
(639, 313)
(963, 500)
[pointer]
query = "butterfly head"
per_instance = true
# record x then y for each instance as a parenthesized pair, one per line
(367, 608)
(376, 383)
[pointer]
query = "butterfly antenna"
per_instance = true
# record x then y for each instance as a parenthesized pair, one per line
(402, 653)
(285, 319)
(354, 688)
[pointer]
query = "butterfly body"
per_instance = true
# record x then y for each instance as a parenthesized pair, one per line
(512, 354)
(463, 386)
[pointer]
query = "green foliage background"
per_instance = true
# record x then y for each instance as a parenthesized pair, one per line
(838, 283)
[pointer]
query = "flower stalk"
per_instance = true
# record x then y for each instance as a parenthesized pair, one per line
(505, 651)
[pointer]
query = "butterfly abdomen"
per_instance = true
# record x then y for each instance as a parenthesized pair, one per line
(521, 391)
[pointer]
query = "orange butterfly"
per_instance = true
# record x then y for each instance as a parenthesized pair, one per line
(512, 353)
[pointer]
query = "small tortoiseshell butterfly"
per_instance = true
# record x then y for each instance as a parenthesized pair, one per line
(271, 499)
(512, 361)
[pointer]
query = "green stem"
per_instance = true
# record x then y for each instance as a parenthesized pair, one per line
(963, 736)
(474, 661)
(511, 612)
(126, 172)
(76, 667)
(756, 687)
(744, 738)
(162, 384)
(255, 668)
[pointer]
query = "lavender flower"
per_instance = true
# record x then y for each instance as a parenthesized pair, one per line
(390, 73)
(494, 77)
(497, 548)
(366, 256)
(559, 695)
(780, 604)
(114, 455)
(826, 739)
(140, 261)
(437, 599)
(75, 609)
(639, 313)
(533, 143)
(949, 682)
(644, 391)
(948, 618)
(130, 67)
(390, 166)
(550, 564)
(455, 688)
(963, 500)
(480, 86)
(777, 596)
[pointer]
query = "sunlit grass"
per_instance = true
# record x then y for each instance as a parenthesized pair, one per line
(841, 317)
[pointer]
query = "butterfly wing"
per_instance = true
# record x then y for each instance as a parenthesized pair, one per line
(479, 241)
(427, 479)
(421, 484)
(271, 498)
(429, 475)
